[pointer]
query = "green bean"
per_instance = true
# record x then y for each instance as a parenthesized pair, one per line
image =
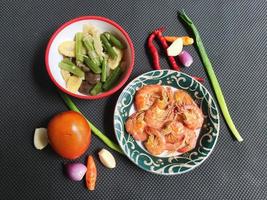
(70, 67)
(113, 40)
(211, 74)
(112, 79)
(78, 48)
(104, 70)
(108, 47)
(92, 65)
(96, 89)
(95, 130)
(88, 42)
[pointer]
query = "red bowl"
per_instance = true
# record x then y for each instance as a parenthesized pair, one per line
(67, 32)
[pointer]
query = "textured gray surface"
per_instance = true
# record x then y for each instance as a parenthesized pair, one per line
(234, 33)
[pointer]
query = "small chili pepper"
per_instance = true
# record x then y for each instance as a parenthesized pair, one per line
(201, 80)
(91, 174)
(153, 51)
(186, 39)
(165, 46)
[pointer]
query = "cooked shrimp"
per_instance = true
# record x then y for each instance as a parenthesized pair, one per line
(135, 125)
(156, 117)
(174, 128)
(190, 141)
(146, 96)
(182, 98)
(192, 116)
(180, 143)
(165, 120)
(168, 96)
(156, 141)
(174, 135)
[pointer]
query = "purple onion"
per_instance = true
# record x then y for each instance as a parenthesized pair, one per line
(185, 58)
(75, 171)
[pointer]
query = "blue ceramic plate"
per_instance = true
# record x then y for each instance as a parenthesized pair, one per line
(174, 164)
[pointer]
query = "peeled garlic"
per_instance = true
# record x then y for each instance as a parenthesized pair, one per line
(40, 139)
(107, 158)
(176, 47)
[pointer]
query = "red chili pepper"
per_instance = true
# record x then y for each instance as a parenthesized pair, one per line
(201, 80)
(153, 51)
(91, 174)
(165, 46)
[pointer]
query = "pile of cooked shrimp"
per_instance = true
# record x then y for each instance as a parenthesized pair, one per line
(165, 120)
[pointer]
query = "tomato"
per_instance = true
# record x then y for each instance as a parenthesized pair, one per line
(69, 134)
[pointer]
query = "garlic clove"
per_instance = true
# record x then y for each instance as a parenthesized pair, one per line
(107, 159)
(40, 139)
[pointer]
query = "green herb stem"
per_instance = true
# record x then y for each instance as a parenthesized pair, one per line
(211, 74)
(96, 131)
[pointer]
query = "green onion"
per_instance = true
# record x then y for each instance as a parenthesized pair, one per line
(97, 132)
(211, 74)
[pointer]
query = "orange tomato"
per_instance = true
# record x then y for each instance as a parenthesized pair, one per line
(69, 134)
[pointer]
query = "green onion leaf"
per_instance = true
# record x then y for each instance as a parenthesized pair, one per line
(211, 74)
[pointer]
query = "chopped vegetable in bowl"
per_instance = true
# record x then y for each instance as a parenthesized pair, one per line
(92, 62)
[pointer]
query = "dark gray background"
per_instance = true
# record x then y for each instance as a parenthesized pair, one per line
(234, 33)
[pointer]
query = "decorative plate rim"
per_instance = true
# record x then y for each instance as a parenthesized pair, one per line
(163, 173)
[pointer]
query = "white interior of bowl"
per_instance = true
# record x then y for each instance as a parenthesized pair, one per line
(68, 33)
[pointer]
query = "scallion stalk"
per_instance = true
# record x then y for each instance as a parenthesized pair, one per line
(211, 74)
